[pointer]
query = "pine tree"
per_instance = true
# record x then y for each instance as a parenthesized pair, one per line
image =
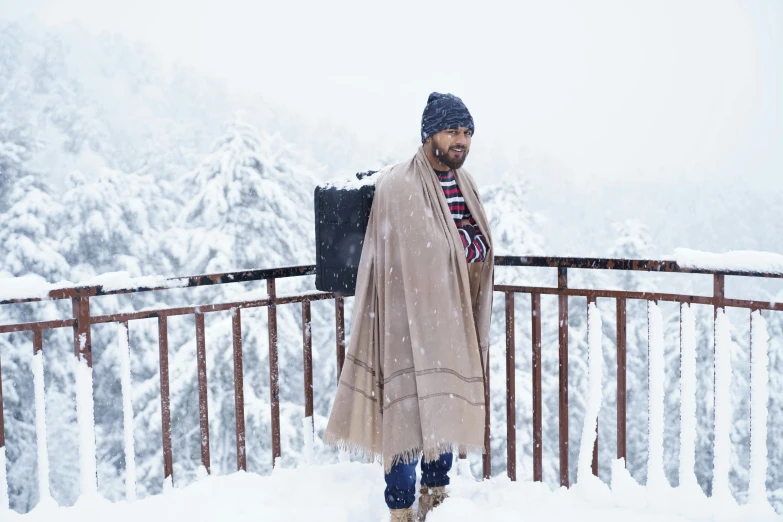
(249, 206)
(26, 231)
(106, 227)
(246, 196)
(15, 136)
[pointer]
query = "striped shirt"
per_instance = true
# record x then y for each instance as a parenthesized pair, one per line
(473, 240)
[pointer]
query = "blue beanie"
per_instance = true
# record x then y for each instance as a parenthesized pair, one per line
(444, 111)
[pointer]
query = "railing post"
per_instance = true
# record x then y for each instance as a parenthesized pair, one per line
(85, 404)
(562, 284)
(239, 392)
(591, 300)
(511, 431)
(537, 425)
(3, 477)
(656, 476)
(759, 396)
(165, 402)
(718, 293)
(339, 315)
(621, 384)
(82, 339)
(307, 357)
(721, 442)
(44, 492)
(274, 388)
(203, 403)
(687, 461)
(123, 342)
(487, 457)
(307, 361)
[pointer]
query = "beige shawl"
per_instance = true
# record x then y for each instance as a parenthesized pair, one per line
(413, 378)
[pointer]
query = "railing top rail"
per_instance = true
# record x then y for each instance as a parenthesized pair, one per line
(642, 265)
(169, 283)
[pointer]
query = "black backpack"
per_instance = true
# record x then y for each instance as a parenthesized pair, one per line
(342, 210)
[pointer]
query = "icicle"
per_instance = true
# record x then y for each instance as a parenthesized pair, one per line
(127, 411)
(3, 482)
(45, 495)
(759, 393)
(656, 478)
(722, 427)
(595, 368)
(309, 439)
(85, 416)
(688, 394)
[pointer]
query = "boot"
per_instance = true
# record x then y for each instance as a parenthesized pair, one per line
(429, 499)
(402, 515)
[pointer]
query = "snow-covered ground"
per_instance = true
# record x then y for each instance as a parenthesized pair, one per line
(351, 491)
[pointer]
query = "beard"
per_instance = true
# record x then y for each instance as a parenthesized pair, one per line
(444, 156)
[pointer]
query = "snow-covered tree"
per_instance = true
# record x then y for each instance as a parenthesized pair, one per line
(15, 139)
(26, 232)
(106, 226)
(11, 159)
(106, 223)
(245, 198)
(248, 205)
(515, 227)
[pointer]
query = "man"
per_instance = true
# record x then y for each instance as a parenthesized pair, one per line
(413, 379)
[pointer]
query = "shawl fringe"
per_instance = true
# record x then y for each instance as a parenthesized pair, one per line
(367, 455)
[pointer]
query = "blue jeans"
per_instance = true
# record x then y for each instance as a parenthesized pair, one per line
(401, 480)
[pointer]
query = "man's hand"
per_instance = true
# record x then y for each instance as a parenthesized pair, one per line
(466, 225)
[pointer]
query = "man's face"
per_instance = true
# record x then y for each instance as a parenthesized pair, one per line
(451, 146)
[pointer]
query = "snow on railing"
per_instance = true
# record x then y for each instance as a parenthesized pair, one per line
(123, 340)
(736, 261)
(595, 365)
(658, 486)
(40, 423)
(589, 444)
(759, 394)
(688, 400)
(85, 417)
(720, 480)
(656, 477)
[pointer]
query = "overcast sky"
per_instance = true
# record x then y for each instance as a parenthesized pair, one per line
(602, 89)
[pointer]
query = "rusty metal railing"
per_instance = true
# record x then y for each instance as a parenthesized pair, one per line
(717, 300)
(82, 320)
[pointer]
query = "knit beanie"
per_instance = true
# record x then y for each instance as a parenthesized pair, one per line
(444, 111)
